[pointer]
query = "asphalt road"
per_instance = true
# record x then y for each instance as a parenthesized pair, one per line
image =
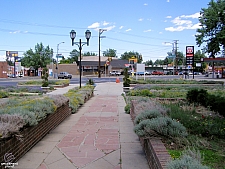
(76, 80)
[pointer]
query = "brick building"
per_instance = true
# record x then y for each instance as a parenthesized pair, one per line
(3, 69)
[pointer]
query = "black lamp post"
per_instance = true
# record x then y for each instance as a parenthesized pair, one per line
(80, 44)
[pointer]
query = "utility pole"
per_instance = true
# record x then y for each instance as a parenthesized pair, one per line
(99, 59)
(176, 57)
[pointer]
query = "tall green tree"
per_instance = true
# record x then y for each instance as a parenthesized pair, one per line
(74, 56)
(212, 31)
(159, 62)
(110, 53)
(89, 54)
(148, 62)
(197, 57)
(37, 58)
(128, 55)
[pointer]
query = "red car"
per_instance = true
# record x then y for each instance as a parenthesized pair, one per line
(157, 73)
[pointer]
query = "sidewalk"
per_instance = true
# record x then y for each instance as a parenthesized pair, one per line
(99, 136)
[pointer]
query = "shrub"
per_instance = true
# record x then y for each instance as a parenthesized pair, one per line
(189, 160)
(127, 109)
(10, 125)
(32, 111)
(77, 96)
(163, 126)
(126, 80)
(147, 114)
(3, 94)
(90, 82)
(59, 100)
(140, 92)
(214, 102)
(192, 95)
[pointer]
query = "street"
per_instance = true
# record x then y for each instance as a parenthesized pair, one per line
(76, 80)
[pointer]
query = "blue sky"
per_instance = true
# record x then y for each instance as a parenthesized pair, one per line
(132, 25)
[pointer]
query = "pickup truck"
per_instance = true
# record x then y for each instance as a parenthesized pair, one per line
(64, 75)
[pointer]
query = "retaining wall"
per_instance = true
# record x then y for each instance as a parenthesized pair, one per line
(154, 149)
(32, 135)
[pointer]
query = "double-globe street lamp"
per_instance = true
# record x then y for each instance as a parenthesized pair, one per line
(57, 56)
(80, 44)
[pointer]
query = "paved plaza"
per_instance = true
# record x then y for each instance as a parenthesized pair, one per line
(99, 136)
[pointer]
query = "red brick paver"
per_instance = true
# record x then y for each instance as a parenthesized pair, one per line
(95, 134)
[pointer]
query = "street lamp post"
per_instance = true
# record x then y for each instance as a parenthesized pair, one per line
(173, 53)
(99, 58)
(57, 64)
(80, 44)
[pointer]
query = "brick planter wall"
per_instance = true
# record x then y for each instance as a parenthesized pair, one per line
(154, 148)
(33, 135)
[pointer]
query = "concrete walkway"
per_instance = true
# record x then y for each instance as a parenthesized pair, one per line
(99, 136)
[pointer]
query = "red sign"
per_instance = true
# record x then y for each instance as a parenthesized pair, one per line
(189, 51)
(189, 55)
(107, 63)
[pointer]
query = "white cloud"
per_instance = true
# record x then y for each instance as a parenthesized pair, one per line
(110, 27)
(141, 19)
(160, 33)
(182, 24)
(179, 21)
(175, 29)
(168, 1)
(105, 23)
(94, 25)
(121, 27)
(168, 17)
(194, 16)
(98, 25)
(15, 32)
(149, 30)
(145, 4)
(128, 30)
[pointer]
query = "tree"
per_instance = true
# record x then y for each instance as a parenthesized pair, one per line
(148, 62)
(159, 62)
(128, 55)
(198, 56)
(212, 31)
(39, 58)
(74, 56)
(110, 53)
(89, 54)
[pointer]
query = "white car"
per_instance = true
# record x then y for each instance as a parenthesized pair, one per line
(115, 73)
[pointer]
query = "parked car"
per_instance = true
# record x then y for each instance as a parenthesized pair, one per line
(197, 73)
(130, 72)
(180, 73)
(143, 73)
(64, 75)
(115, 73)
(11, 75)
(157, 73)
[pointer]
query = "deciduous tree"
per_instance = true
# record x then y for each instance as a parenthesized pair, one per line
(110, 53)
(37, 58)
(212, 31)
